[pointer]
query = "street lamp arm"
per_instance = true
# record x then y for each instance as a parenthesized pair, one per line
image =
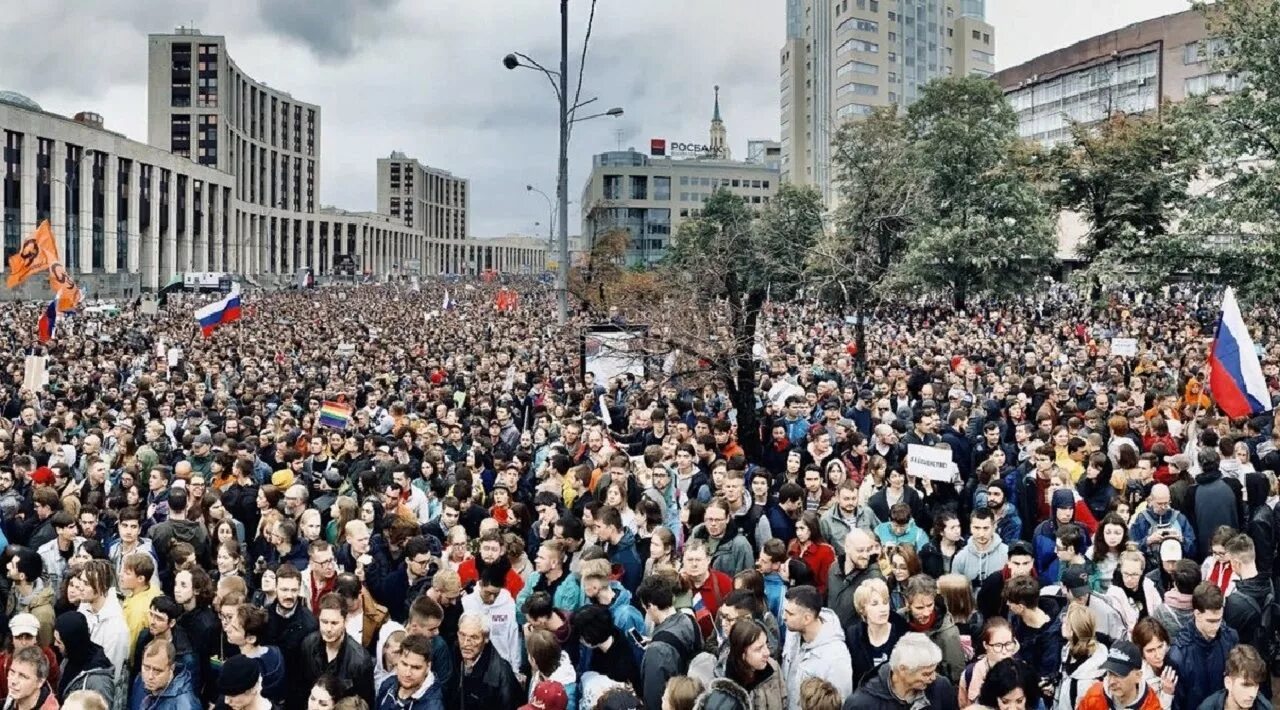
(531, 63)
(594, 115)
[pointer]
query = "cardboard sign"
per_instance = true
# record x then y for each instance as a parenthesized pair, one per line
(929, 462)
(1126, 347)
(34, 376)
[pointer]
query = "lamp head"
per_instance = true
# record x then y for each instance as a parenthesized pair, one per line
(510, 61)
(615, 112)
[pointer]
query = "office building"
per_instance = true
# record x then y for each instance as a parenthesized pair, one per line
(424, 198)
(202, 106)
(765, 152)
(650, 196)
(1134, 69)
(844, 58)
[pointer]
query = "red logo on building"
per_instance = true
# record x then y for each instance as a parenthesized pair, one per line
(657, 146)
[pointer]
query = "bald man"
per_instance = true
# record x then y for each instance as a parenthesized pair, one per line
(858, 565)
(1158, 521)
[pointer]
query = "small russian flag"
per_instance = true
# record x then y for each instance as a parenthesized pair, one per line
(48, 325)
(218, 313)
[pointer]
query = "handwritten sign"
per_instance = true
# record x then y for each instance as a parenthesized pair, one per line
(1126, 347)
(929, 462)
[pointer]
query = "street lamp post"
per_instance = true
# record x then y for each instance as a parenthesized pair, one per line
(551, 217)
(516, 59)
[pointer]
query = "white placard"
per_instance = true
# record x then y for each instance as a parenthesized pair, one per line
(34, 376)
(1126, 347)
(929, 462)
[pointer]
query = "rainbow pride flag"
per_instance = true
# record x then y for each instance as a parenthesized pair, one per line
(335, 415)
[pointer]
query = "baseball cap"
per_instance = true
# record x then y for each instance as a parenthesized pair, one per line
(24, 624)
(864, 394)
(1170, 551)
(1123, 658)
(1075, 579)
(1021, 547)
(550, 694)
(203, 440)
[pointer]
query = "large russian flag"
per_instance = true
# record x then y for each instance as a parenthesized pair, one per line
(218, 313)
(1235, 375)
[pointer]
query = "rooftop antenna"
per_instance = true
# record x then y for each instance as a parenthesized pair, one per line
(617, 135)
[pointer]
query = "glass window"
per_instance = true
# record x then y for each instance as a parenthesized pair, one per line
(613, 187)
(856, 67)
(859, 25)
(861, 45)
(639, 187)
(661, 187)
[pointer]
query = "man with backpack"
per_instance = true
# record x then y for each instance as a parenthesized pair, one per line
(675, 641)
(1249, 609)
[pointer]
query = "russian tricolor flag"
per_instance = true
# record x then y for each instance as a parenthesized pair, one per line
(219, 313)
(48, 325)
(1235, 375)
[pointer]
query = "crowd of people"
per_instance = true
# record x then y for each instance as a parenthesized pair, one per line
(494, 528)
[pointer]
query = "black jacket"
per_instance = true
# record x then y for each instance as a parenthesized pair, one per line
(1212, 504)
(287, 634)
(353, 667)
(204, 633)
(489, 684)
(1243, 608)
(865, 661)
(877, 694)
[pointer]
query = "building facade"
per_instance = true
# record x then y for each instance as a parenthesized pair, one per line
(844, 58)
(203, 107)
(424, 198)
(651, 196)
(120, 210)
(1134, 69)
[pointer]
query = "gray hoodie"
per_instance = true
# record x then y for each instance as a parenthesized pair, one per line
(976, 564)
(825, 657)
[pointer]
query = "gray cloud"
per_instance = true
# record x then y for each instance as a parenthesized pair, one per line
(332, 29)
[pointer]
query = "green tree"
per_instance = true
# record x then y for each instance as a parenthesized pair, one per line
(879, 188)
(1241, 211)
(726, 263)
(984, 228)
(1126, 177)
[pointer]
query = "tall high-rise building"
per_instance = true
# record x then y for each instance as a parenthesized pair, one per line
(843, 58)
(424, 198)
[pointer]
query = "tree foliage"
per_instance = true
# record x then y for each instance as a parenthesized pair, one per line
(725, 264)
(1126, 177)
(984, 227)
(1241, 131)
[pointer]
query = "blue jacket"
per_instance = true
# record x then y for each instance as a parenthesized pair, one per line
(625, 556)
(775, 589)
(1045, 543)
(178, 695)
(568, 596)
(797, 431)
(1009, 526)
(387, 698)
(1147, 520)
(1200, 663)
(626, 617)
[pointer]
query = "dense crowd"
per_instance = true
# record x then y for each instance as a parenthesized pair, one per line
(182, 531)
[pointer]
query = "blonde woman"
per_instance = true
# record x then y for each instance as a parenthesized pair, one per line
(1082, 657)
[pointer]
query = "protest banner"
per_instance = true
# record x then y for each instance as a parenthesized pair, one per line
(1125, 347)
(929, 462)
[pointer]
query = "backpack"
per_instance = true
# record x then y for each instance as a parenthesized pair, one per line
(1264, 638)
(686, 654)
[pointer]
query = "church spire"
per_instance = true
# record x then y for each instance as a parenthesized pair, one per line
(719, 136)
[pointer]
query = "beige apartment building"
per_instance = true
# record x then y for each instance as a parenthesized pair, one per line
(422, 197)
(844, 58)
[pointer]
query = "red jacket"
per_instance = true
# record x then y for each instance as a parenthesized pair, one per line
(1096, 699)
(818, 558)
(467, 574)
(6, 658)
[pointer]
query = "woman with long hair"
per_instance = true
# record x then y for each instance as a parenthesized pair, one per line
(998, 644)
(344, 510)
(812, 549)
(957, 596)
(903, 564)
(874, 480)
(1082, 657)
(662, 550)
(749, 671)
(1132, 593)
(1109, 543)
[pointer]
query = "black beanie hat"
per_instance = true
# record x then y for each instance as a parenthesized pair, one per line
(239, 675)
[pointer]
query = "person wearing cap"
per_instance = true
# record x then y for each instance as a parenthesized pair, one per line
(201, 457)
(1200, 648)
(240, 685)
(1159, 521)
(24, 630)
(413, 686)
(547, 695)
(909, 680)
(1078, 584)
(1122, 687)
(1245, 683)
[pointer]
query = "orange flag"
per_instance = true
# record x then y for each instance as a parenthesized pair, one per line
(60, 281)
(36, 254)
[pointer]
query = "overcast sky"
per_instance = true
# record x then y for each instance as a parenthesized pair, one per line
(425, 76)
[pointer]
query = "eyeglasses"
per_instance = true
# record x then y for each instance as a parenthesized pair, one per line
(1005, 647)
